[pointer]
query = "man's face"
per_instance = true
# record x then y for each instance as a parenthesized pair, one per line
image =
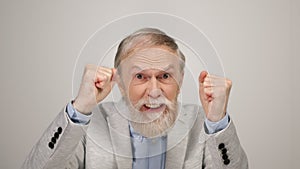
(151, 79)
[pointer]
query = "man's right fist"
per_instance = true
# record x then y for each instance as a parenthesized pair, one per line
(96, 84)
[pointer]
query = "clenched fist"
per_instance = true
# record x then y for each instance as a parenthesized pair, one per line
(214, 93)
(96, 84)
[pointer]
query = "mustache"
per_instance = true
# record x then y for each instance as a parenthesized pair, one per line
(140, 117)
(158, 101)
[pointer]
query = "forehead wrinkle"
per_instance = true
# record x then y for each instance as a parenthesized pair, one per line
(148, 61)
(162, 63)
(151, 58)
(154, 53)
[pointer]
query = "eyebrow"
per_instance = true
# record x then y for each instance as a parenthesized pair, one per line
(169, 66)
(135, 67)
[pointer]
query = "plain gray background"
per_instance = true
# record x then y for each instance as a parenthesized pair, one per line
(258, 42)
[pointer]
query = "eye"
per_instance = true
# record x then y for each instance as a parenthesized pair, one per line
(165, 75)
(139, 76)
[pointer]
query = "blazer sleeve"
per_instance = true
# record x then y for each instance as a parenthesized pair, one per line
(62, 145)
(223, 150)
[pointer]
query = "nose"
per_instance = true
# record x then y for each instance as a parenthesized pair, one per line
(154, 90)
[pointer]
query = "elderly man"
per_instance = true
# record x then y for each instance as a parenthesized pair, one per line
(148, 128)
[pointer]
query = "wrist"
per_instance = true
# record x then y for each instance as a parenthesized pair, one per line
(80, 108)
(215, 117)
(214, 127)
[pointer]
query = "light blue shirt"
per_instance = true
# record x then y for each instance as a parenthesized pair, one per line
(148, 153)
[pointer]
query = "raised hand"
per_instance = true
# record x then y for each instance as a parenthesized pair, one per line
(214, 93)
(96, 84)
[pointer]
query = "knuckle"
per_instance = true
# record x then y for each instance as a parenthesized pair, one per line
(89, 66)
(228, 83)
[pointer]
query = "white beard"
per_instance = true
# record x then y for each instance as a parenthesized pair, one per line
(153, 124)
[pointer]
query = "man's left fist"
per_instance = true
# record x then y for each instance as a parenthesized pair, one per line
(214, 93)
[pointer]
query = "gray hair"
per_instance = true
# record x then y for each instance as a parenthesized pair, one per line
(146, 37)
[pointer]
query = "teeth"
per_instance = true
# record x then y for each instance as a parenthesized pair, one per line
(153, 106)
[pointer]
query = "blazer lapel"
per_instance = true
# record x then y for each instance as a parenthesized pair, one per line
(177, 144)
(120, 137)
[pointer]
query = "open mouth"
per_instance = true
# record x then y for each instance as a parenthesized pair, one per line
(153, 108)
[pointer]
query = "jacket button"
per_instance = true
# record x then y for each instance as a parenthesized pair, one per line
(51, 145)
(56, 135)
(226, 162)
(224, 151)
(225, 156)
(221, 146)
(53, 140)
(59, 130)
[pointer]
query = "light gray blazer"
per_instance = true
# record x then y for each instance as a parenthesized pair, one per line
(104, 143)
